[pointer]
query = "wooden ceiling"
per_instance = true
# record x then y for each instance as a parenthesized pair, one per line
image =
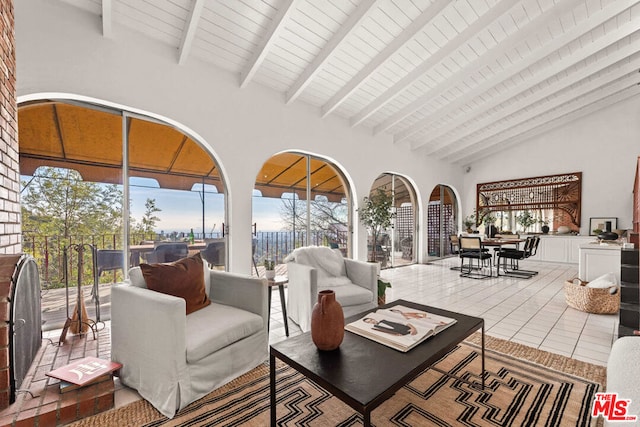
(458, 80)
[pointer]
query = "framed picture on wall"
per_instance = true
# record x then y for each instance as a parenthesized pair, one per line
(600, 224)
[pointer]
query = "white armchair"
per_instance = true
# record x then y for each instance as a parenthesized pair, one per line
(315, 268)
(173, 359)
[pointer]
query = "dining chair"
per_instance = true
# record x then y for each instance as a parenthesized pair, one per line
(471, 249)
(167, 252)
(214, 253)
(513, 258)
(454, 244)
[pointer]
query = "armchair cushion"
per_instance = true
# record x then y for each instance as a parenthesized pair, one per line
(348, 294)
(217, 326)
(183, 278)
(329, 262)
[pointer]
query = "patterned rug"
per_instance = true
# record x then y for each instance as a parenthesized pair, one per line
(524, 386)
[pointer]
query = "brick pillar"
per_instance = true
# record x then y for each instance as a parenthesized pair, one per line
(10, 241)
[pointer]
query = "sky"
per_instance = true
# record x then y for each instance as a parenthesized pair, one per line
(182, 210)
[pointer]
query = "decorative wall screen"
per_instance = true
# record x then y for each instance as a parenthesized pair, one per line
(558, 192)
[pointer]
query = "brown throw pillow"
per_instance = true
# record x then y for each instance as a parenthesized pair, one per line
(183, 278)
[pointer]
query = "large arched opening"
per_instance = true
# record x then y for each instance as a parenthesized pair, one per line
(397, 245)
(300, 199)
(442, 221)
(117, 183)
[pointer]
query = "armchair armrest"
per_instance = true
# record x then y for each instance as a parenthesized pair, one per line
(363, 274)
(148, 338)
(302, 293)
(241, 291)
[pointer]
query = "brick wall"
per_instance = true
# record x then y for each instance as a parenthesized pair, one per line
(10, 241)
(9, 177)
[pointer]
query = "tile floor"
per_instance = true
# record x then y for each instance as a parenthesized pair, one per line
(531, 312)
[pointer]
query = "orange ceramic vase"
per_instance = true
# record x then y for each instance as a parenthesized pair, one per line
(327, 322)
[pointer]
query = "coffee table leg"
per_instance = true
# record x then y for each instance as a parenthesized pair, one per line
(483, 372)
(367, 418)
(269, 311)
(272, 388)
(284, 310)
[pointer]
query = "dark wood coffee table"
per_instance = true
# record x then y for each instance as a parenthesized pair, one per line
(363, 373)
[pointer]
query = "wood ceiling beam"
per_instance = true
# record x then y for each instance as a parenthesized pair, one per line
(277, 25)
(318, 62)
(486, 60)
(617, 78)
(107, 19)
(570, 35)
(384, 55)
(189, 32)
(494, 13)
(553, 87)
(553, 119)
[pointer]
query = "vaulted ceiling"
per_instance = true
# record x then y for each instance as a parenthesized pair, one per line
(457, 80)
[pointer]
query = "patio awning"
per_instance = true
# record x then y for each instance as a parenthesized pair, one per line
(89, 141)
(287, 173)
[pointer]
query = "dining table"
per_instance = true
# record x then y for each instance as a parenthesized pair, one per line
(137, 251)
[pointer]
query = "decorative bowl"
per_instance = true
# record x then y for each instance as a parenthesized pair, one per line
(563, 229)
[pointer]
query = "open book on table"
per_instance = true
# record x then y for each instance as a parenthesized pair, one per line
(399, 327)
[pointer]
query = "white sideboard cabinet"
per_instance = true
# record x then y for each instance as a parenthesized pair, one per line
(598, 259)
(561, 248)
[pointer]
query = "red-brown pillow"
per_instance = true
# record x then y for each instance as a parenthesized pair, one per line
(183, 278)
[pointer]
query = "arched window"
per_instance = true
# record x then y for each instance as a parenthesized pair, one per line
(442, 221)
(397, 245)
(83, 154)
(299, 200)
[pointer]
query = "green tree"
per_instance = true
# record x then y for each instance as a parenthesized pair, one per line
(57, 202)
(149, 219)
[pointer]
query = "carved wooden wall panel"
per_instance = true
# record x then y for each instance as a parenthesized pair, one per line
(558, 192)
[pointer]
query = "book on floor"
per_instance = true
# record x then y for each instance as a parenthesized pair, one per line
(65, 387)
(84, 371)
(399, 327)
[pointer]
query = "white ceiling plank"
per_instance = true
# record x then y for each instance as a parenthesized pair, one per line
(488, 59)
(190, 30)
(268, 40)
(545, 127)
(314, 67)
(406, 36)
(433, 60)
(567, 37)
(107, 19)
(587, 103)
(521, 104)
(556, 102)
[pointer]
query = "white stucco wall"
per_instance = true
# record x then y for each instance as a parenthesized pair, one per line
(604, 146)
(60, 49)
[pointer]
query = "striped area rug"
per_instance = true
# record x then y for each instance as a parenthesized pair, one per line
(525, 386)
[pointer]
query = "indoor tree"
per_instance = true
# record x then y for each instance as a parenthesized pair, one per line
(377, 215)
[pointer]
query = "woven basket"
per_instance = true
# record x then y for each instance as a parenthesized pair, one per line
(591, 300)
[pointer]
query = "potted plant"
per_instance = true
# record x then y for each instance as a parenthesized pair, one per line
(270, 266)
(376, 213)
(545, 225)
(382, 289)
(526, 220)
(470, 221)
